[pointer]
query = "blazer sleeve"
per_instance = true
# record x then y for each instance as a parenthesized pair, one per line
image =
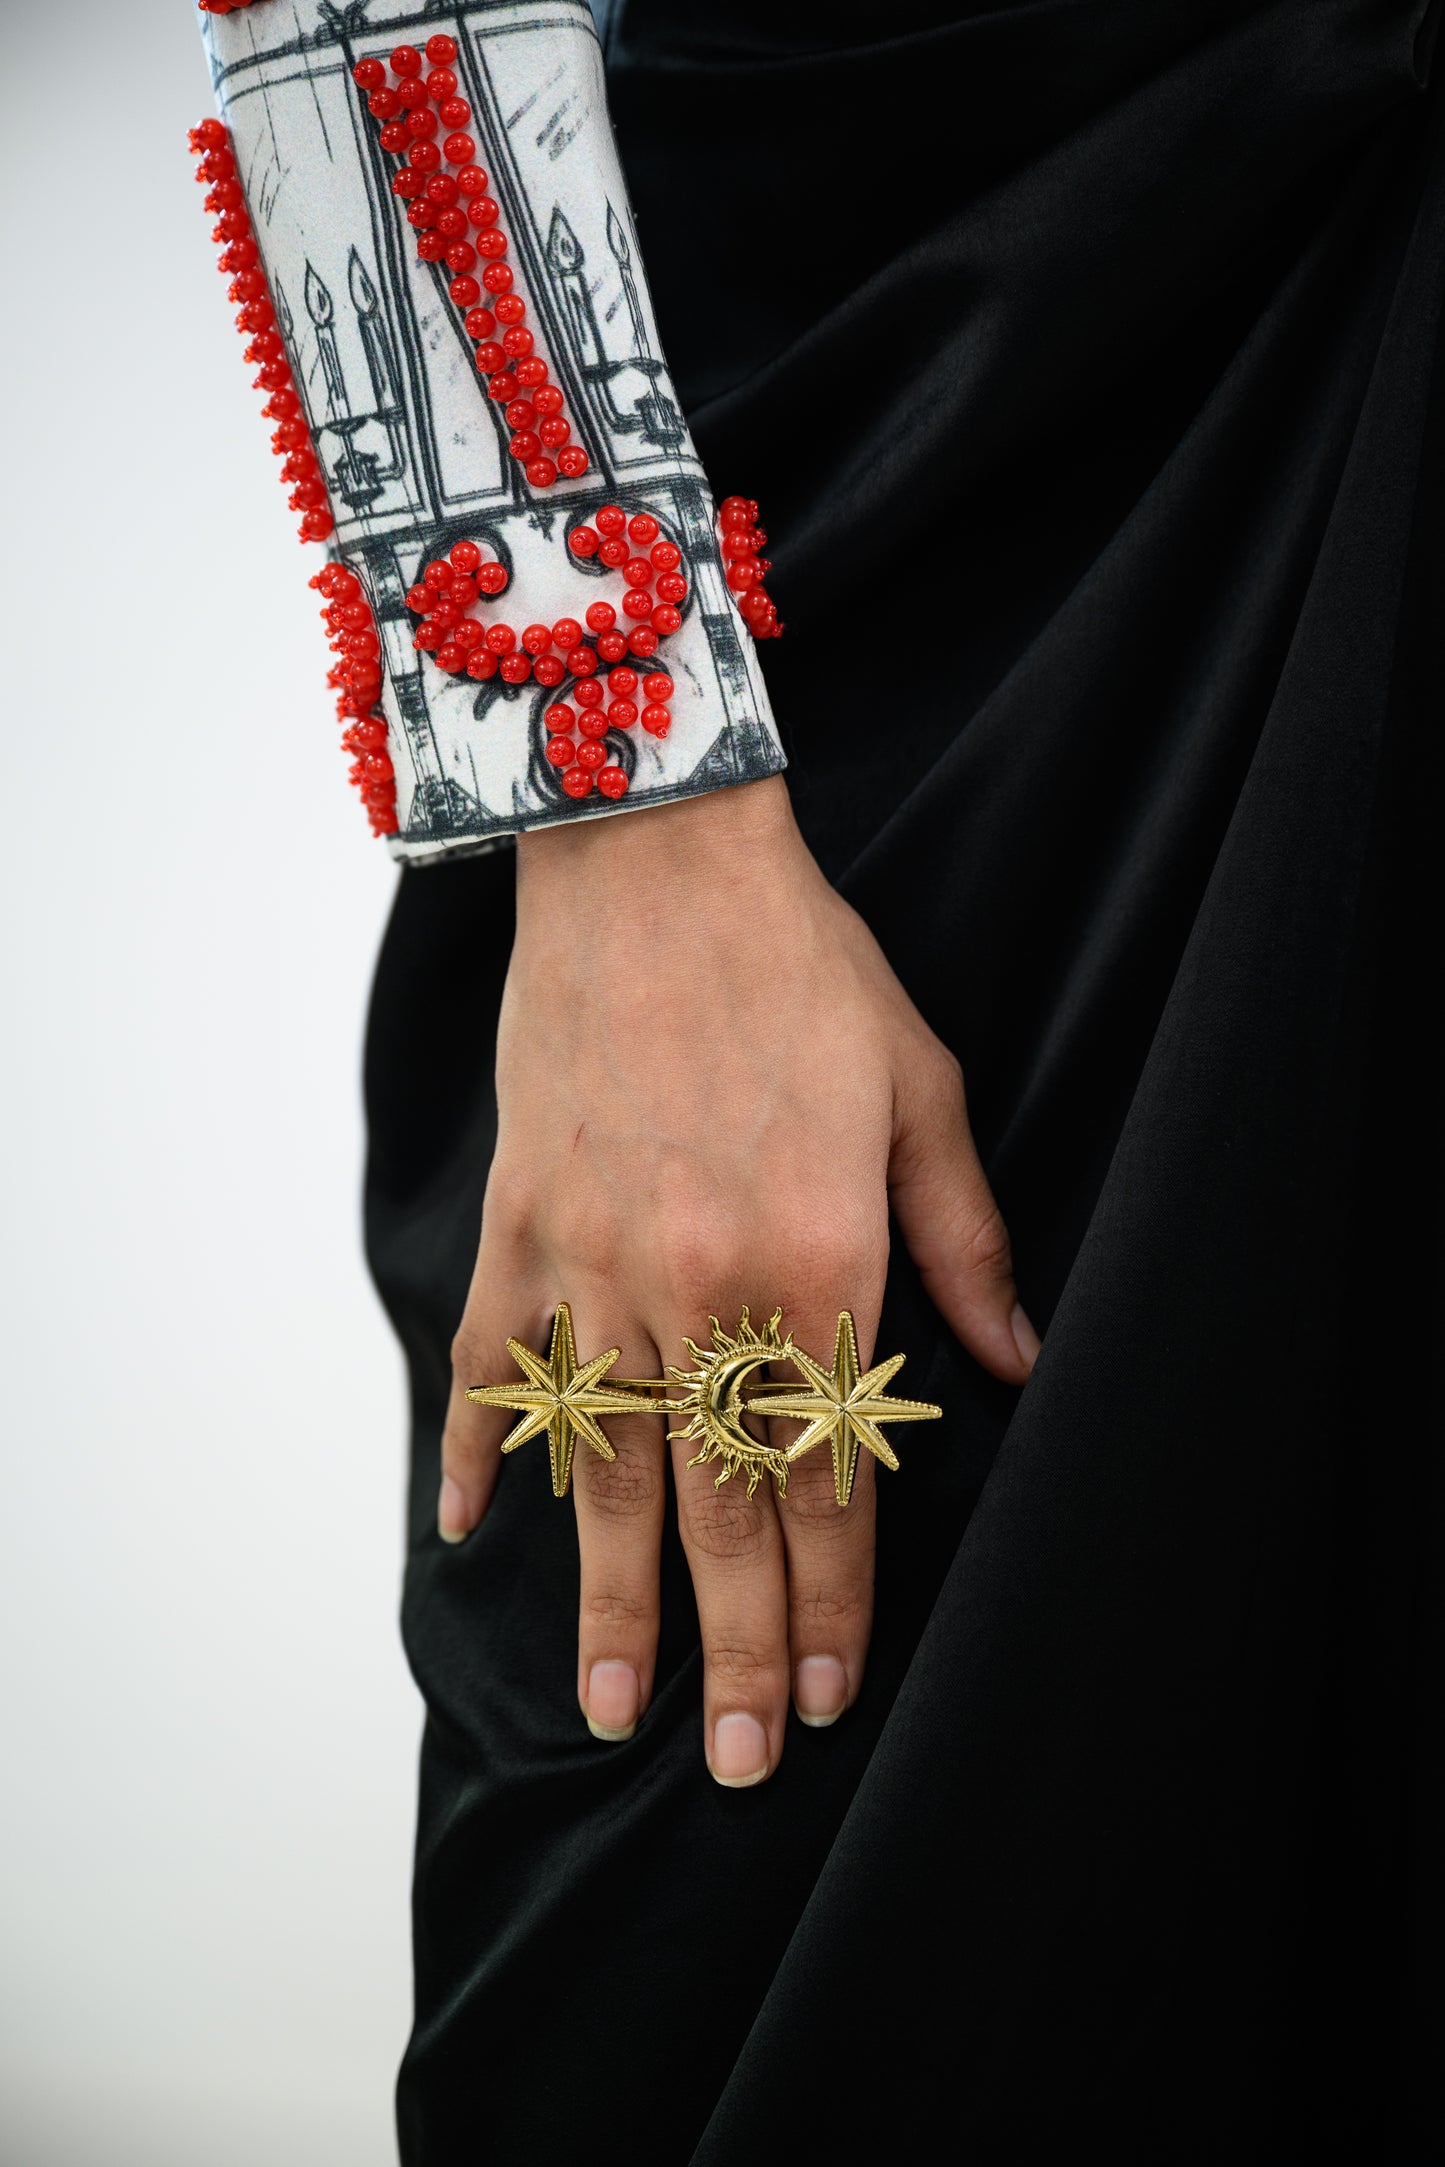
(535, 610)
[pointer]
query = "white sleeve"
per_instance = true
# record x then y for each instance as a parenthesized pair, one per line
(432, 437)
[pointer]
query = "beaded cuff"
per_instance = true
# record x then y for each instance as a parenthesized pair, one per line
(448, 310)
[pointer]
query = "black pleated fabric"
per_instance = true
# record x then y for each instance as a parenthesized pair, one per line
(1085, 358)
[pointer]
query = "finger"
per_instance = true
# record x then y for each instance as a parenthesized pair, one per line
(829, 1548)
(951, 1223)
(619, 1537)
(501, 1303)
(734, 1551)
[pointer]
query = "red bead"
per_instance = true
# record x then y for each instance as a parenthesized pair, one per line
(383, 104)
(741, 576)
(511, 309)
(755, 606)
(532, 371)
(611, 519)
(492, 578)
(581, 663)
(612, 782)
(613, 552)
(480, 324)
(737, 512)
(422, 124)
(407, 183)
(459, 150)
(406, 60)
(611, 646)
(462, 592)
(519, 343)
(208, 135)
(665, 620)
(424, 157)
(420, 215)
(427, 635)
(671, 587)
(492, 244)
(483, 211)
(411, 93)
(622, 680)
(637, 604)
(472, 181)
(548, 670)
(656, 719)
(561, 751)
(450, 222)
(440, 50)
(554, 432)
(461, 257)
(431, 247)
(621, 714)
(572, 461)
(502, 387)
(637, 572)
(577, 782)
(736, 547)
(566, 632)
(525, 446)
(469, 634)
(589, 693)
(497, 278)
(560, 718)
(601, 616)
(489, 355)
(521, 415)
(590, 754)
(481, 663)
(451, 657)
(594, 722)
(582, 542)
(517, 669)
(501, 639)
(441, 84)
(537, 638)
(541, 473)
(642, 641)
(549, 399)
(454, 113)
(642, 527)
(464, 291)
(657, 685)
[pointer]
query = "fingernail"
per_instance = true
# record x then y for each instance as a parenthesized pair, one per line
(739, 1751)
(820, 1690)
(613, 1696)
(1026, 1339)
(453, 1524)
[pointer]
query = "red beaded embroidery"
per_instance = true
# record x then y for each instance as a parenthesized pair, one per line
(357, 677)
(455, 221)
(742, 538)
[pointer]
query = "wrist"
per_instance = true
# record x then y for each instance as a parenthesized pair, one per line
(718, 836)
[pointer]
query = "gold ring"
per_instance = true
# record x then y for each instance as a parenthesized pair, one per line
(568, 1398)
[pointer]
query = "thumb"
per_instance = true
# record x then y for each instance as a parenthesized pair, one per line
(951, 1223)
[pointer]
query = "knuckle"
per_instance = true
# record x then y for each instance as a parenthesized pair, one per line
(627, 1488)
(823, 1603)
(984, 1244)
(611, 1610)
(747, 1669)
(468, 1356)
(722, 1527)
(510, 1204)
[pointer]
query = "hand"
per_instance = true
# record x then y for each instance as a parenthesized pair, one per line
(710, 1083)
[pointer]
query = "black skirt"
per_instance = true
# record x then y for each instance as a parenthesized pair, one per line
(1085, 358)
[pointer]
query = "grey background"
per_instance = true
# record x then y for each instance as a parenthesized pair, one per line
(207, 1736)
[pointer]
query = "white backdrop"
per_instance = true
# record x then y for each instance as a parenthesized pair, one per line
(207, 1737)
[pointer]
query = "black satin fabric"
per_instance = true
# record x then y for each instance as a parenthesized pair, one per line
(1086, 361)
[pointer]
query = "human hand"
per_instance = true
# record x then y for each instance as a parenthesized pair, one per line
(710, 1085)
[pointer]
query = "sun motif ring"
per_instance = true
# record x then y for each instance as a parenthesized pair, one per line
(844, 1404)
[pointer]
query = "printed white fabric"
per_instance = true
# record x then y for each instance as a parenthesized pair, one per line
(415, 453)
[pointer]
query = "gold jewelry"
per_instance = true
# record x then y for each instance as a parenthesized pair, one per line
(565, 1397)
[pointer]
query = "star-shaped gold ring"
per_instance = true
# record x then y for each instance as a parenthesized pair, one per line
(848, 1407)
(564, 1398)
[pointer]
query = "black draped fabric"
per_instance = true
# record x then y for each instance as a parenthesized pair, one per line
(1085, 358)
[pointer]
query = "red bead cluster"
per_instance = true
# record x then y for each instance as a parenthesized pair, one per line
(241, 260)
(742, 538)
(455, 221)
(357, 679)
